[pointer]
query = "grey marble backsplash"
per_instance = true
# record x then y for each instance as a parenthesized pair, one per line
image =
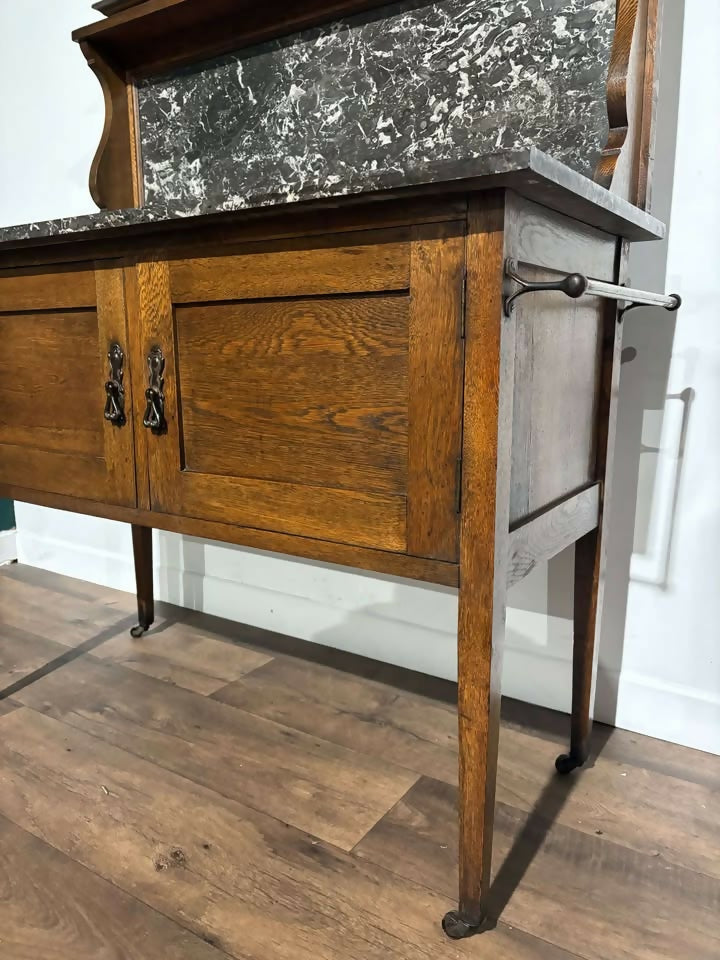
(376, 98)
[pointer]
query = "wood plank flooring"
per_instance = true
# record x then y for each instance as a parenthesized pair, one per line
(216, 791)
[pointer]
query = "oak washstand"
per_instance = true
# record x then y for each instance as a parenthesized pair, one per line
(293, 325)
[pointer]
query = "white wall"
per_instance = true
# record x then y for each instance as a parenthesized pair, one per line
(659, 671)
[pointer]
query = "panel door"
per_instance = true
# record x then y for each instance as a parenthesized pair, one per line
(57, 326)
(312, 387)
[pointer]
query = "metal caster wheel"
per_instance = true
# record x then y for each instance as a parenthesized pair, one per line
(138, 631)
(566, 763)
(456, 928)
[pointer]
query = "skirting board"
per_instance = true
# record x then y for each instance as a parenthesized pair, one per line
(402, 633)
(8, 546)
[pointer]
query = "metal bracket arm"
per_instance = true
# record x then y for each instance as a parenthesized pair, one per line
(575, 285)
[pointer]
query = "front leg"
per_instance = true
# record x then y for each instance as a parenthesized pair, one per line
(481, 624)
(484, 545)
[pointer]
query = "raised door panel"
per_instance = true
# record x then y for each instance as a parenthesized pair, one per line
(313, 388)
(56, 329)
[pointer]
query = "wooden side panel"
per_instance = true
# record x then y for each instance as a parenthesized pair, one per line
(558, 358)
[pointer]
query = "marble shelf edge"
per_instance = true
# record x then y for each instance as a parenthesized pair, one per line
(530, 173)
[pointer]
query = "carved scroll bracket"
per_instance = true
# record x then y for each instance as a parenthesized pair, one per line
(115, 181)
(617, 87)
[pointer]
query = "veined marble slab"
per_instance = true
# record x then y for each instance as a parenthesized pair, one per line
(378, 97)
(530, 173)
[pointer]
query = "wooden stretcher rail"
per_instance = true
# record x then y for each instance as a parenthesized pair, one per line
(549, 533)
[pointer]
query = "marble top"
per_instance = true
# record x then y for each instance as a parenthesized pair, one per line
(529, 172)
(410, 83)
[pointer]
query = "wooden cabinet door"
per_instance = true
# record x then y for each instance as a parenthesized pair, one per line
(313, 386)
(57, 325)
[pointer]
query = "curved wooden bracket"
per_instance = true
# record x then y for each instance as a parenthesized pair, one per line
(617, 87)
(115, 180)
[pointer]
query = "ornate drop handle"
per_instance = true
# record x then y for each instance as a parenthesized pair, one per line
(154, 418)
(115, 403)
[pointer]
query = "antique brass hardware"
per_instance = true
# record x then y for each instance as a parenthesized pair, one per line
(154, 418)
(115, 403)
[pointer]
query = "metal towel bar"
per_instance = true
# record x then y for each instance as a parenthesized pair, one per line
(575, 285)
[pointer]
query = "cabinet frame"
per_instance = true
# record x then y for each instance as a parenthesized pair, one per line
(423, 521)
(39, 296)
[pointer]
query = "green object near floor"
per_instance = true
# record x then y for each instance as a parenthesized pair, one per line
(7, 515)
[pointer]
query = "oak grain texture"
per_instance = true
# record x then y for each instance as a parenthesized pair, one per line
(163, 34)
(436, 384)
(346, 516)
(115, 179)
(119, 447)
(355, 263)
(651, 87)
(43, 403)
(53, 434)
(31, 289)
(327, 380)
(617, 101)
(484, 523)
(361, 558)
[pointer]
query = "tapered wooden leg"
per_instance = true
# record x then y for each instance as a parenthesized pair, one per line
(484, 525)
(588, 550)
(587, 578)
(142, 552)
(479, 728)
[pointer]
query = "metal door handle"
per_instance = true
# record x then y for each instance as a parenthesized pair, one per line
(154, 418)
(114, 389)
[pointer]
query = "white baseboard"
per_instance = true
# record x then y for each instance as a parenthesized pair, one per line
(396, 622)
(8, 546)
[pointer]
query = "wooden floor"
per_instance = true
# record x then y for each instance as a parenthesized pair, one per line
(213, 791)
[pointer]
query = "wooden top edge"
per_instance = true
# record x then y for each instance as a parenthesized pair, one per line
(152, 34)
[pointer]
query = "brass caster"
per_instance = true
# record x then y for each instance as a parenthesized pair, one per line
(566, 763)
(456, 928)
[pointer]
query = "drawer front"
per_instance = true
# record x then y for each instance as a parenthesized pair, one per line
(56, 329)
(313, 387)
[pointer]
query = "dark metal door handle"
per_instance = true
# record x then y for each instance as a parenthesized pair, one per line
(154, 418)
(114, 389)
